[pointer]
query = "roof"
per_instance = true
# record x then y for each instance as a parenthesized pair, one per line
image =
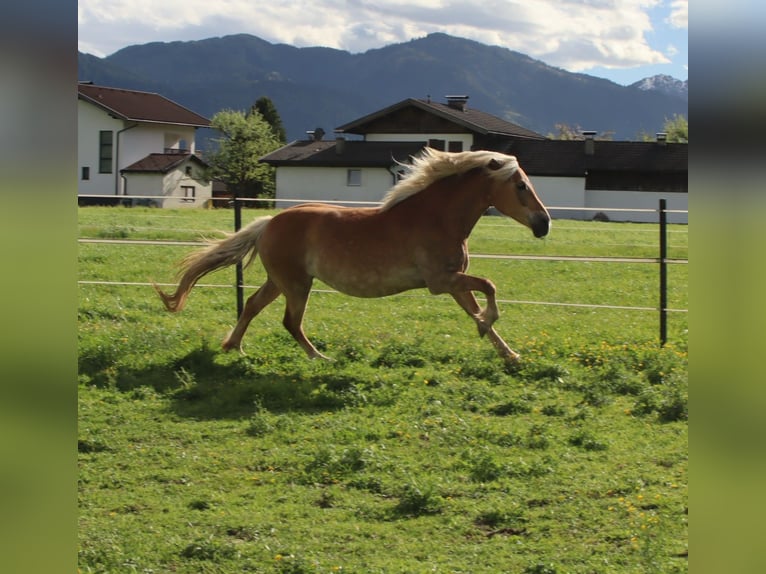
(161, 162)
(537, 157)
(351, 153)
(468, 118)
(138, 106)
(568, 157)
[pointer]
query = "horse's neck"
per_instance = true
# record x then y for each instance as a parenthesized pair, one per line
(463, 200)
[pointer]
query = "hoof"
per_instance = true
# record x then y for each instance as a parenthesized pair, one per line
(513, 363)
(227, 346)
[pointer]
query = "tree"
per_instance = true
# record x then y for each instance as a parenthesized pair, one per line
(268, 111)
(677, 129)
(567, 132)
(246, 137)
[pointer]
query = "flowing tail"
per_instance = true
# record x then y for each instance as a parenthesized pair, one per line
(219, 254)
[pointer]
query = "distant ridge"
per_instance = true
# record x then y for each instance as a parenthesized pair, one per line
(324, 87)
(664, 84)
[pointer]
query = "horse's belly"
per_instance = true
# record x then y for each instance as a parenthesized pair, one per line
(371, 282)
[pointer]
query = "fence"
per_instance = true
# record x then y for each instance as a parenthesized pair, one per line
(661, 260)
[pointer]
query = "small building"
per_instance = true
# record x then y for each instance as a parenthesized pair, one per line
(168, 180)
(590, 176)
(133, 143)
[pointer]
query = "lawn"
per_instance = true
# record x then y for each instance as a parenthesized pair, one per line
(416, 449)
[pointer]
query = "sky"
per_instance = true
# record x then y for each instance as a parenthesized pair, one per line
(621, 40)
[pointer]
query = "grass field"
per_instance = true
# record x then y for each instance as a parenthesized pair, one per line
(416, 450)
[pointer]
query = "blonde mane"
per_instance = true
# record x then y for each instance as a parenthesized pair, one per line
(432, 165)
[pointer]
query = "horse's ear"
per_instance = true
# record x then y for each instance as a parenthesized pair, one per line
(495, 164)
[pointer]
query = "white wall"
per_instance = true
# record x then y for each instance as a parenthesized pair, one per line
(602, 200)
(137, 143)
(329, 184)
(166, 188)
(90, 120)
(561, 192)
(132, 144)
(570, 192)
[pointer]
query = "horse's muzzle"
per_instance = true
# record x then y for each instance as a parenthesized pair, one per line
(540, 223)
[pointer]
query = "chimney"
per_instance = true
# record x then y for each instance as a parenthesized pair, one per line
(590, 144)
(662, 138)
(316, 134)
(457, 102)
(340, 145)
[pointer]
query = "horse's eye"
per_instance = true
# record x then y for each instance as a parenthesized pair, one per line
(521, 186)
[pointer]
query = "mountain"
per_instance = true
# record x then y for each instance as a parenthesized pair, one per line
(664, 84)
(324, 87)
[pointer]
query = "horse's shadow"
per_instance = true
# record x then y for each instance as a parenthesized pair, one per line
(201, 387)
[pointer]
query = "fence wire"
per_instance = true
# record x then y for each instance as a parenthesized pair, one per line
(240, 286)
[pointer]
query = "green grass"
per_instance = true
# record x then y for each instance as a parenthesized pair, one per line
(416, 450)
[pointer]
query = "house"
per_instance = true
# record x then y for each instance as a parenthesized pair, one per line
(582, 178)
(139, 145)
(594, 177)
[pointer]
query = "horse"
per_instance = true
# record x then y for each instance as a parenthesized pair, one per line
(417, 238)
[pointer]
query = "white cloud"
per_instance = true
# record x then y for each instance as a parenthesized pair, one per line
(679, 14)
(573, 34)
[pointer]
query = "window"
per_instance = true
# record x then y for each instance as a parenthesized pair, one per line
(354, 177)
(85, 174)
(188, 170)
(455, 146)
(105, 151)
(436, 144)
(189, 192)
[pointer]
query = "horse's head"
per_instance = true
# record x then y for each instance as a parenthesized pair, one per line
(513, 195)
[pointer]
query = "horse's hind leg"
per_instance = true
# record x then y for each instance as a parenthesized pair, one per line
(468, 301)
(297, 296)
(254, 305)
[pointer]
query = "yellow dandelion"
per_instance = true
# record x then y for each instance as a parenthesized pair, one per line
(278, 557)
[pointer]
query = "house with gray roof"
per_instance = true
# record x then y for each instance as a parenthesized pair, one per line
(138, 146)
(584, 178)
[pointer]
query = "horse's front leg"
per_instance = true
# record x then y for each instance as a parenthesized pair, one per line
(460, 286)
(468, 302)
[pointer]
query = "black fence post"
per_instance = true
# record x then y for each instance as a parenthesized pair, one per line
(663, 274)
(239, 277)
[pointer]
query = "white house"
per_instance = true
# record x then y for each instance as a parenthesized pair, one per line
(133, 143)
(591, 176)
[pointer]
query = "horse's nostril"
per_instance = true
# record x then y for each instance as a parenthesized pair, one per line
(541, 225)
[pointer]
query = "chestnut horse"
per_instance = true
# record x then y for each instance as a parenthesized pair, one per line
(415, 239)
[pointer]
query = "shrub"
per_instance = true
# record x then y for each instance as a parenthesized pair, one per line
(261, 422)
(418, 500)
(512, 407)
(587, 441)
(399, 354)
(209, 549)
(484, 468)
(670, 401)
